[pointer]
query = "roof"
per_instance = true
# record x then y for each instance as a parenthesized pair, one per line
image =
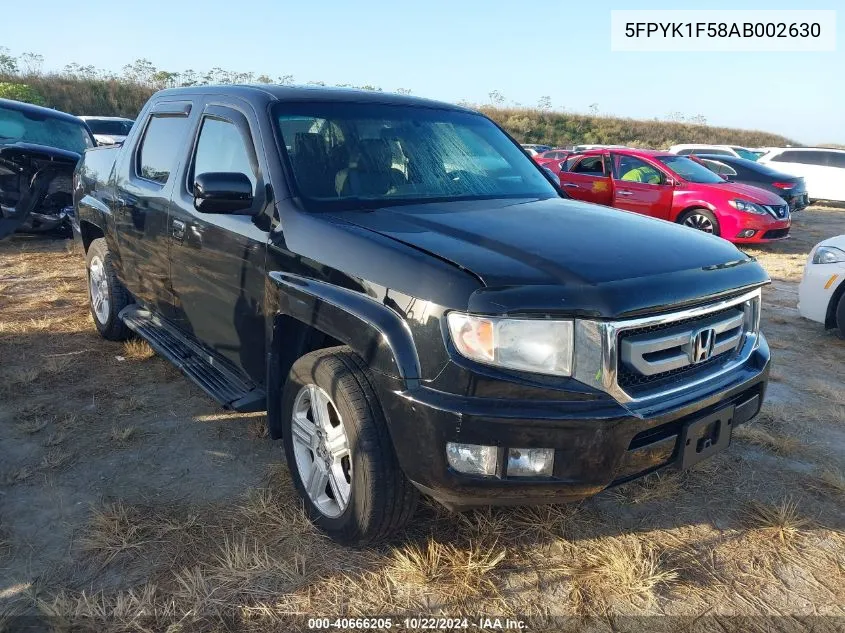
(629, 151)
(89, 117)
(271, 92)
(20, 106)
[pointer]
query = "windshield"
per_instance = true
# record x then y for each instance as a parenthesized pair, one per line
(746, 154)
(690, 170)
(353, 155)
(27, 127)
(109, 127)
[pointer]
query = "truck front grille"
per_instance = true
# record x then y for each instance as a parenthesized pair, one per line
(678, 350)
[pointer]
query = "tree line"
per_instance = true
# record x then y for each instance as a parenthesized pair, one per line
(89, 90)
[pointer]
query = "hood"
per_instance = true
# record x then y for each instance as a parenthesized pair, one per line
(563, 254)
(745, 192)
(838, 241)
(24, 152)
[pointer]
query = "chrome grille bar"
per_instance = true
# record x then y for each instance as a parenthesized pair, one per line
(597, 348)
(651, 354)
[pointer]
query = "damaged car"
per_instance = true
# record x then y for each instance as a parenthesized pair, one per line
(39, 149)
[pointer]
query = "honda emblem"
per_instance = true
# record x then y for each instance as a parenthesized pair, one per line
(701, 345)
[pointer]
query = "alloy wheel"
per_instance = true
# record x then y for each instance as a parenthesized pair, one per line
(322, 452)
(700, 222)
(98, 288)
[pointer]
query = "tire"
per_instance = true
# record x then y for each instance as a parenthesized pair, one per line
(840, 316)
(106, 295)
(379, 499)
(699, 218)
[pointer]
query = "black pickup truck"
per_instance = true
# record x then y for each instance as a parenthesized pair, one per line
(413, 301)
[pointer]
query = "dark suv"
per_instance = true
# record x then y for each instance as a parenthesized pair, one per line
(413, 301)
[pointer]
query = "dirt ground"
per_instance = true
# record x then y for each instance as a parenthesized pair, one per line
(130, 501)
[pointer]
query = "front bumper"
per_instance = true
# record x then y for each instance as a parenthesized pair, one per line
(817, 289)
(765, 230)
(597, 442)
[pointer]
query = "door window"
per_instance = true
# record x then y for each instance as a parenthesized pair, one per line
(631, 169)
(836, 159)
(157, 153)
(804, 158)
(719, 167)
(591, 165)
(222, 148)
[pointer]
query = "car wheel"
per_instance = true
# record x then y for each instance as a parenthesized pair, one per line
(840, 316)
(339, 451)
(700, 219)
(106, 294)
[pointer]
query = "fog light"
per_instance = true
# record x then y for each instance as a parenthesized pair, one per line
(747, 233)
(530, 462)
(473, 459)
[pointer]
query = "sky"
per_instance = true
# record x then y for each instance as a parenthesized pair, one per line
(458, 50)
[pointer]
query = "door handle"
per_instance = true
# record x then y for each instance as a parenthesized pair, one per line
(570, 184)
(625, 193)
(178, 230)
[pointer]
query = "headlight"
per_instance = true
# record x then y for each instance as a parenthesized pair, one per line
(536, 345)
(748, 207)
(829, 255)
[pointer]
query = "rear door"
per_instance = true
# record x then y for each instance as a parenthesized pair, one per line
(641, 187)
(587, 179)
(217, 260)
(144, 181)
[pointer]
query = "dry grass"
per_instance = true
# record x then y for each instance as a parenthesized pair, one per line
(654, 487)
(123, 435)
(257, 429)
(832, 392)
(758, 435)
(782, 522)
(446, 571)
(55, 439)
(33, 425)
(56, 459)
(829, 481)
(610, 574)
(115, 529)
(17, 476)
(137, 349)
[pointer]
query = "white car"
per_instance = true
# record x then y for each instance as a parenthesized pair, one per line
(821, 294)
(823, 169)
(721, 150)
(108, 130)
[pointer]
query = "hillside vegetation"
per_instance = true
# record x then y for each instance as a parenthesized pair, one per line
(562, 129)
(87, 90)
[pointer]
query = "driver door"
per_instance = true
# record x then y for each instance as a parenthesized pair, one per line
(640, 187)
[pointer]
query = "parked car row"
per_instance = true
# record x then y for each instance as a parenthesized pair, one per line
(821, 170)
(678, 189)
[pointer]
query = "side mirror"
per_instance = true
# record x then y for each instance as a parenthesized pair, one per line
(222, 192)
(670, 182)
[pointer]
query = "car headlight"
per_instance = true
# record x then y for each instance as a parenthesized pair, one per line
(829, 255)
(538, 345)
(748, 207)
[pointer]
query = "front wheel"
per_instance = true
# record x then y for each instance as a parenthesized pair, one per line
(339, 451)
(106, 294)
(840, 316)
(700, 219)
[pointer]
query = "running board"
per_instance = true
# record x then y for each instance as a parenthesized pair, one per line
(225, 384)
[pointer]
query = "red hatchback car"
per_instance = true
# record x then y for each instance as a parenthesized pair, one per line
(677, 189)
